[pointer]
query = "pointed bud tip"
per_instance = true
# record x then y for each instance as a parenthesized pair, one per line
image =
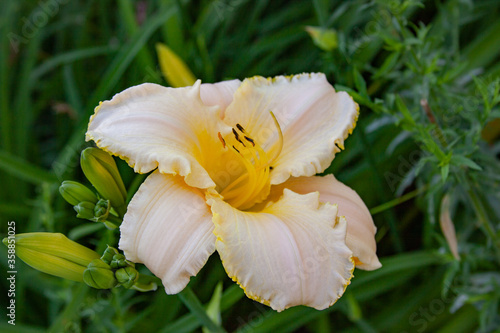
(74, 192)
(100, 169)
(174, 69)
(325, 39)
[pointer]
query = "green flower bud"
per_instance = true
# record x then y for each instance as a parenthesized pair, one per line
(100, 169)
(127, 276)
(99, 275)
(101, 210)
(53, 253)
(108, 254)
(85, 210)
(74, 192)
(325, 39)
(119, 261)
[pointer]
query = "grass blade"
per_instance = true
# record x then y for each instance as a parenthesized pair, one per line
(192, 302)
(25, 170)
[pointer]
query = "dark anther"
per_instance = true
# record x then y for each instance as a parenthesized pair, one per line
(250, 140)
(222, 140)
(238, 137)
(240, 128)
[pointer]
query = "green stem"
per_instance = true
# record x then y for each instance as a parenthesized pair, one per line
(114, 219)
(397, 201)
(71, 309)
(119, 318)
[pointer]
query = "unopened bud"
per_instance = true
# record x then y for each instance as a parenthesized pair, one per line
(101, 210)
(53, 253)
(85, 210)
(119, 261)
(100, 169)
(99, 275)
(176, 72)
(127, 276)
(325, 39)
(74, 192)
(108, 254)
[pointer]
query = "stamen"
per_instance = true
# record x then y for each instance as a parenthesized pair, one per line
(242, 130)
(253, 185)
(250, 140)
(238, 137)
(221, 140)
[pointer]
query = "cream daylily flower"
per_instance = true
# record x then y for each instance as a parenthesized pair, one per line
(234, 172)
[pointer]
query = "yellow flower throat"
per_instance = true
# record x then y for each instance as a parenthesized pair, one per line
(253, 185)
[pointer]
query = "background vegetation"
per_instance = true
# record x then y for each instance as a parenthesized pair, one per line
(424, 155)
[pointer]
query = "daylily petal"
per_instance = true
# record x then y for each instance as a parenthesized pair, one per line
(314, 120)
(220, 93)
(291, 253)
(361, 230)
(169, 228)
(153, 126)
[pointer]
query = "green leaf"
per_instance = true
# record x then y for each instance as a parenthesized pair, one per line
(445, 170)
(354, 310)
(20, 328)
(69, 57)
(460, 160)
(192, 302)
(404, 111)
(213, 308)
(485, 47)
(110, 78)
(24, 170)
(188, 323)
(387, 65)
(84, 230)
(321, 10)
(359, 83)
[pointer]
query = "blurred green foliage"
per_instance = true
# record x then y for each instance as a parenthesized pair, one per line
(426, 75)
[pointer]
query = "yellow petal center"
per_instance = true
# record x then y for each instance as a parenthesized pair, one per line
(253, 184)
